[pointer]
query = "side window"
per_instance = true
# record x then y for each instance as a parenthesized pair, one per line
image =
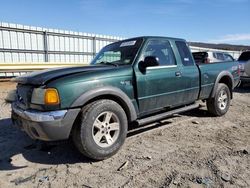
(185, 53)
(220, 56)
(162, 50)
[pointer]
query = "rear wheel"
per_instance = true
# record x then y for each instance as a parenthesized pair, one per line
(102, 129)
(219, 105)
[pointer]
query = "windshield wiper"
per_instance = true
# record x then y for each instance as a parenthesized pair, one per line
(108, 63)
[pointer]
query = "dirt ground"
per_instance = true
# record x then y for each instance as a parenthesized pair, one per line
(189, 150)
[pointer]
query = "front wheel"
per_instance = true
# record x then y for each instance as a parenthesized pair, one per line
(102, 129)
(219, 105)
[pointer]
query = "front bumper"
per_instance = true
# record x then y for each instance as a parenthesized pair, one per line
(48, 126)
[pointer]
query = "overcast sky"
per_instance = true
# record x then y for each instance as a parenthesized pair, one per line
(217, 21)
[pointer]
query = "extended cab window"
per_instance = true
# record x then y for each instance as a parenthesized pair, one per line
(185, 54)
(162, 50)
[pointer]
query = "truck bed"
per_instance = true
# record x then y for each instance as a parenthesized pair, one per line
(210, 72)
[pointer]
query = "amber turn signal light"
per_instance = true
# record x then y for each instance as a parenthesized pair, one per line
(51, 97)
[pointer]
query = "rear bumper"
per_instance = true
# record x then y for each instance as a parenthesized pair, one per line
(48, 126)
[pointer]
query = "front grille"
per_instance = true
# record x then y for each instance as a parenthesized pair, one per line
(24, 93)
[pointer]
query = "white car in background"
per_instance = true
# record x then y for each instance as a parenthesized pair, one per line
(211, 57)
(244, 65)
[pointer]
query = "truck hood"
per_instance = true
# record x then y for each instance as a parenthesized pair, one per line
(44, 76)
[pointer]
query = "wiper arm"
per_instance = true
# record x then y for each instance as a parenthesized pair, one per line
(108, 63)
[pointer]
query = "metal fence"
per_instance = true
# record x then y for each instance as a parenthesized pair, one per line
(20, 44)
(26, 48)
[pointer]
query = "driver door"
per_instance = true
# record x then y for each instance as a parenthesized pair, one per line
(160, 86)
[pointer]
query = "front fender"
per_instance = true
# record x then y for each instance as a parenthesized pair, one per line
(108, 91)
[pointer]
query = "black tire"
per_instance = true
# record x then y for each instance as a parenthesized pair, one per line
(213, 104)
(84, 135)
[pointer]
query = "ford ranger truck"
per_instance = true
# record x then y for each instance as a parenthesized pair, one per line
(139, 80)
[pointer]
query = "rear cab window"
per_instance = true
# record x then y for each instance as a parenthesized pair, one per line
(186, 56)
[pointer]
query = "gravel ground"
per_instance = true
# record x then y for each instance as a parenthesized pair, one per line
(189, 150)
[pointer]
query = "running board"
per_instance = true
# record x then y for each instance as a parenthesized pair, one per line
(164, 115)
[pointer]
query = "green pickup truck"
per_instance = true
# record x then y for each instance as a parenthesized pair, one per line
(139, 80)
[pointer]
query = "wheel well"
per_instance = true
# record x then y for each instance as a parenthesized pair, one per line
(116, 99)
(110, 97)
(227, 80)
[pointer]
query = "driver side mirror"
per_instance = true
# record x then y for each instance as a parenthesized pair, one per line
(149, 61)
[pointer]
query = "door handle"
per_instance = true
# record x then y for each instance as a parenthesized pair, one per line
(178, 74)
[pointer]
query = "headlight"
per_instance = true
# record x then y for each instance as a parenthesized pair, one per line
(47, 96)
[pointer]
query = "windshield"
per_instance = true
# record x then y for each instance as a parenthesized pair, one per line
(119, 53)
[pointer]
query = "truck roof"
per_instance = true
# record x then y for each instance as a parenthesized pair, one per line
(153, 37)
